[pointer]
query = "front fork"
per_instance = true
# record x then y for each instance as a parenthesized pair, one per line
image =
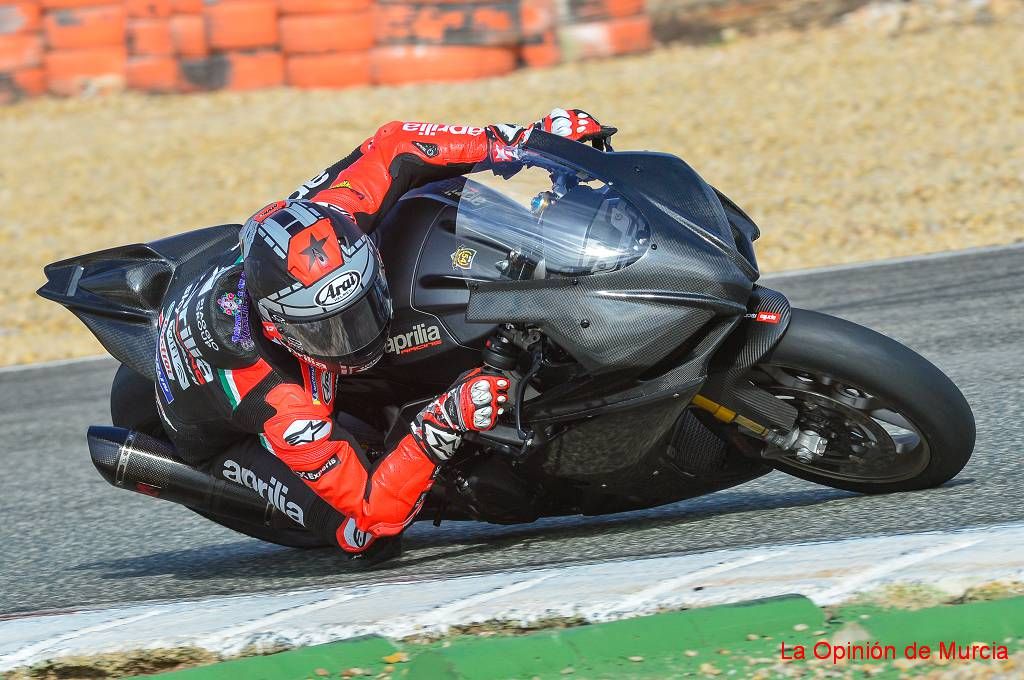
(807, 444)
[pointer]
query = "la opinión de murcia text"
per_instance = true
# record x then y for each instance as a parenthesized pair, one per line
(876, 651)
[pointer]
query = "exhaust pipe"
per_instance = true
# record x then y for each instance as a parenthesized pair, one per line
(140, 463)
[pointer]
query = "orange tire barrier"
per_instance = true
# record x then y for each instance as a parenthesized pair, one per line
(17, 85)
(537, 17)
(591, 10)
(71, 4)
(333, 71)
(541, 52)
(72, 29)
(186, 7)
(76, 46)
(241, 25)
(320, 33)
(150, 37)
(434, 2)
(188, 35)
(255, 70)
(233, 71)
(20, 51)
(20, 17)
(148, 9)
(152, 74)
(399, 64)
(73, 72)
(494, 23)
(322, 6)
(607, 38)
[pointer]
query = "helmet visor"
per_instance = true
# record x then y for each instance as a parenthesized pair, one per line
(344, 339)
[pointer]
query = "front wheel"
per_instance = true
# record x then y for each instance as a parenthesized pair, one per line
(891, 419)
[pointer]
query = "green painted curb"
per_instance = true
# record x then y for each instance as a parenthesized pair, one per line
(604, 650)
(964, 623)
(732, 640)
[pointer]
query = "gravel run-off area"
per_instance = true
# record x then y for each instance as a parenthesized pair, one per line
(844, 144)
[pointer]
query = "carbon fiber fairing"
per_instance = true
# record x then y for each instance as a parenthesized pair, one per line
(768, 316)
(117, 292)
(627, 320)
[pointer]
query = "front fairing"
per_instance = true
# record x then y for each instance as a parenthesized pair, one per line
(667, 280)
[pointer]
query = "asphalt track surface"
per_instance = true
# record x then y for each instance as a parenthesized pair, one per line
(71, 541)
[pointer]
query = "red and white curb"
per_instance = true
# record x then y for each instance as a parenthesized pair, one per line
(825, 572)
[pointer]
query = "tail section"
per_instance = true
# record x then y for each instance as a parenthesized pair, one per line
(117, 293)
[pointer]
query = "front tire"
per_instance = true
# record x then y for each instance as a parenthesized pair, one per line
(897, 423)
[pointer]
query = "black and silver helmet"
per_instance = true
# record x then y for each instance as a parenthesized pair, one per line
(317, 281)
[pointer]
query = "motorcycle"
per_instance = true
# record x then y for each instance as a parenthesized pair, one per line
(618, 291)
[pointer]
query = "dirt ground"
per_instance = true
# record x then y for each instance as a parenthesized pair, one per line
(844, 144)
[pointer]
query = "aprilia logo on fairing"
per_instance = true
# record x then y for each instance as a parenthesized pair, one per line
(768, 317)
(420, 337)
(275, 492)
(764, 317)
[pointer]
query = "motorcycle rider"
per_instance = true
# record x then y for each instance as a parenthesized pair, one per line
(250, 352)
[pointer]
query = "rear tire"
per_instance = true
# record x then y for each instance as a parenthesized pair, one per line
(890, 373)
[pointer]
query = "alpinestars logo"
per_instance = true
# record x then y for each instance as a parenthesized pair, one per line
(420, 337)
(504, 153)
(441, 443)
(274, 492)
(307, 431)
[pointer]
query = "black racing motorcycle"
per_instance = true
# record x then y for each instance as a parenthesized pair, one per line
(618, 291)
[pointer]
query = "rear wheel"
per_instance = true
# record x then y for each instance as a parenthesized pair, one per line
(891, 419)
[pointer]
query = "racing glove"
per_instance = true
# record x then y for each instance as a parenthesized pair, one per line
(574, 124)
(472, 404)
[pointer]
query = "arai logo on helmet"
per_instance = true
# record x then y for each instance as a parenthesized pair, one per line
(338, 289)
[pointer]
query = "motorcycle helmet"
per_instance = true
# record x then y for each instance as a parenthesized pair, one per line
(317, 283)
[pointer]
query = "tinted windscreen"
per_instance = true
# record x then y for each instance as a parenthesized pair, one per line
(547, 220)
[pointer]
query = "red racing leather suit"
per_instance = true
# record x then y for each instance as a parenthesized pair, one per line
(216, 386)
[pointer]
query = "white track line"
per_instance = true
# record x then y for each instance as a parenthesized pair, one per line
(442, 615)
(26, 653)
(638, 600)
(228, 636)
(56, 363)
(847, 587)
